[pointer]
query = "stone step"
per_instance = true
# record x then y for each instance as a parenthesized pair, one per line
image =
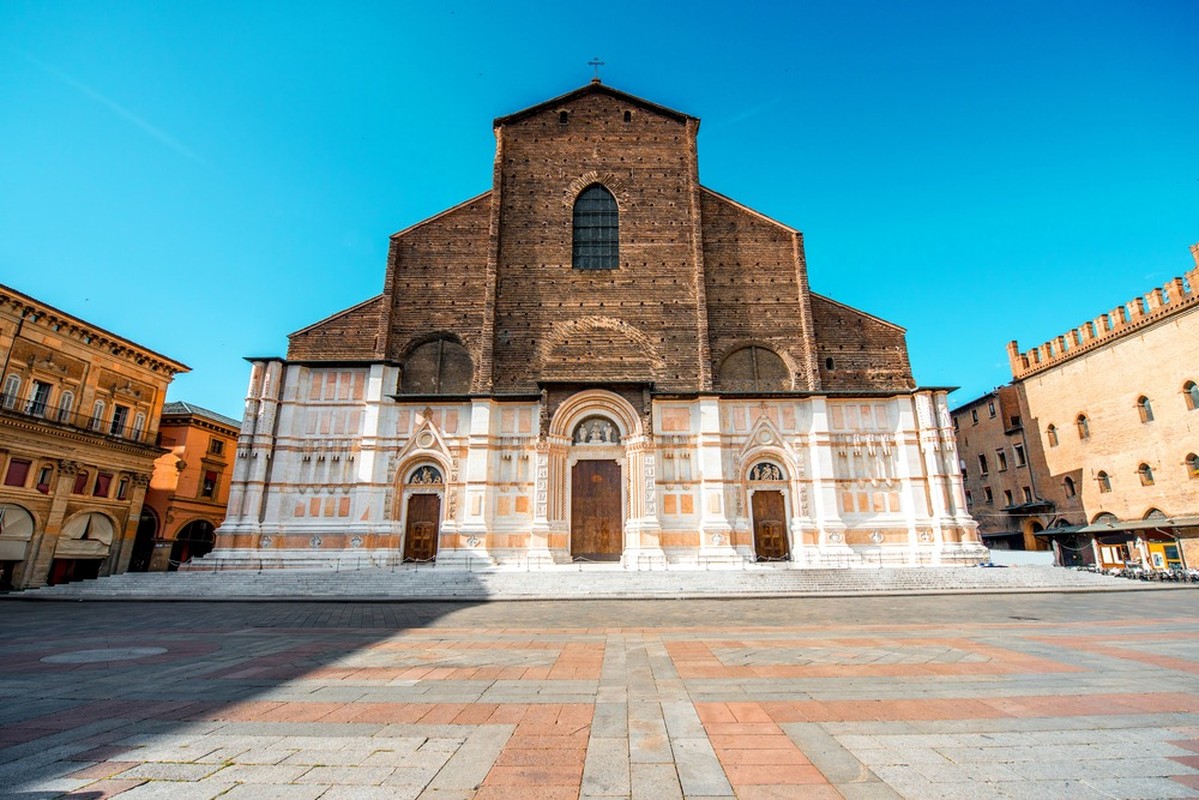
(410, 582)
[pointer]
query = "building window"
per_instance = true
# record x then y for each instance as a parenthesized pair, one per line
(982, 463)
(1105, 483)
(1144, 409)
(43, 479)
(12, 388)
(1001, 459)
(80, 486)
(1146, 475)
(956, 426)
(969, 498)
(122, 488)
(216, 446)
(988, 498)
(1020, 459)
(120, 415)
(1015, 421)
(596, 230)
(1084, 426)
(1027, 492)
(65, 401)
(1192, 462)
(39, 396)
(97, 415)
(139, 425)
(991, 409)
(208, 489)
(18, 472)
(103, 484)
(1190, 391)
(1068, 483)
(974, 416)
(1051, 435)
(1007, 497)
(563, 117)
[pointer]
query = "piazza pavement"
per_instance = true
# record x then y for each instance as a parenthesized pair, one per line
(1033, 695)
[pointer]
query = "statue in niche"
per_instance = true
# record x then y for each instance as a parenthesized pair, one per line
(766, 472)
(596, 430)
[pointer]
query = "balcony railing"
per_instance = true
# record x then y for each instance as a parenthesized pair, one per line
(11, 404)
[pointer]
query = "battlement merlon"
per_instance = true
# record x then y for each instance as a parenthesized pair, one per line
(1176, 295)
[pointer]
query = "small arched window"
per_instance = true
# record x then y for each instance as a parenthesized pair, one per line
(1068, 483)
(1084, 426)
(97, 415)
(596, 230)
(1105, 483)
(1144, 409)
(1051, 435)
(139, 425)
(1192, 462)
(1190, 391)
(1146, 475)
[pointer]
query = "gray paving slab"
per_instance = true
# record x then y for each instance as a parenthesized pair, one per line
(470, 762)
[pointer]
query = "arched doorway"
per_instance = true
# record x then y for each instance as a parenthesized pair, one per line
(1030, 541)
(422, 518)
(596, 499)
(767, 483)
(82, 547)
(143, 543)
(16, 529)
(194, 540)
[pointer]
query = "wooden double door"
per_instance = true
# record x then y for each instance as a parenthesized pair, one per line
(421, 529)
(770, 527)
(596, 517)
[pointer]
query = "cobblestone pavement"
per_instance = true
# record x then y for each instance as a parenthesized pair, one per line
(998, 696)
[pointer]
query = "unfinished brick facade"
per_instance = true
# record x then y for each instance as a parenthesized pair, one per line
(696, 357)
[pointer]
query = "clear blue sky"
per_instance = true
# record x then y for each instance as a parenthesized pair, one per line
(205, 178)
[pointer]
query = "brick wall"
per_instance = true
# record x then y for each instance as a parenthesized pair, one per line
(866, 352)
(348, 335)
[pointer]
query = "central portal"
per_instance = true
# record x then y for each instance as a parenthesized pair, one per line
(595, 512)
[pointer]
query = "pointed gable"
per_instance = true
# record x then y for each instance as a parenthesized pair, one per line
(594, 88)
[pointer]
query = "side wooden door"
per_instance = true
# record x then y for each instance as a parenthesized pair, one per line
(595, 513)
(420, 532)
(770, 527)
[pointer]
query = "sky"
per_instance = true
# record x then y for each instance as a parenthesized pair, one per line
(205, 178)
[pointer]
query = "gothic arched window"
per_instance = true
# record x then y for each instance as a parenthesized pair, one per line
(754, 369)
(441, 366)
(596, 230)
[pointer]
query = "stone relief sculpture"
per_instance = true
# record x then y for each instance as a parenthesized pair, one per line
(596, 430)
(766, 472)
(425, 476)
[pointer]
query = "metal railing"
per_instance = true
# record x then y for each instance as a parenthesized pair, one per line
(127, 430)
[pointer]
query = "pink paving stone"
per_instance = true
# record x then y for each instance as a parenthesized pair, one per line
(102, 790)
(105, 769)
(798, 792)
(536, 775)
(765, 775)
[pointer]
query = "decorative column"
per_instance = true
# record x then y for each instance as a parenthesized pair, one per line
(122, 545)
(831, 547)
(715, 531)
(642, 548)
(470, 544)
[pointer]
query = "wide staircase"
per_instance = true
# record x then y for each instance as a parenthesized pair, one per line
(576, 581)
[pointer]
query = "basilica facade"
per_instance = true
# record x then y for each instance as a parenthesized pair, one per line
(598, 359)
